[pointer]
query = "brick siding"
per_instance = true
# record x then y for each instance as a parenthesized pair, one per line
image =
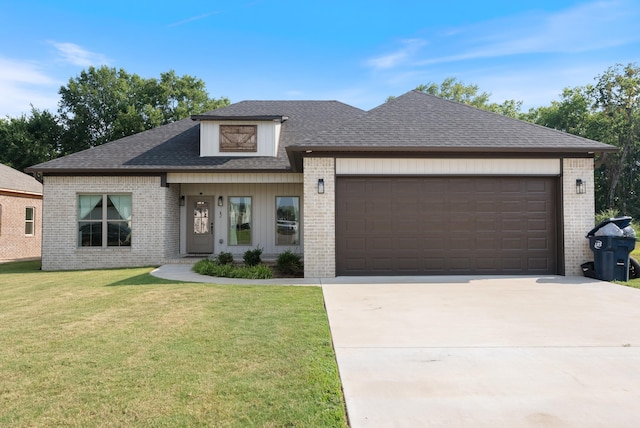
(578, 211)
(319, 219)
(154, 223)
(14, 244)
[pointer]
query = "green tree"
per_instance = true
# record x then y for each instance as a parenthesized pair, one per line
(28, 140)
(607, 111)
(455, 90)
(104, 104)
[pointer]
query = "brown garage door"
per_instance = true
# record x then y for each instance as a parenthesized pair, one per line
(446, 225)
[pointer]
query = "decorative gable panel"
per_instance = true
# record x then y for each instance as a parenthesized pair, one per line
(239, 138)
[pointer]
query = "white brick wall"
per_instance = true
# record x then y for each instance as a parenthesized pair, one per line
(319, 219)
(578, 210)
(154, 223)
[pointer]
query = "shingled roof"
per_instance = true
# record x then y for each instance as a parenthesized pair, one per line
(176, 146)
(14, 181)
(421, 121)
(414, 122)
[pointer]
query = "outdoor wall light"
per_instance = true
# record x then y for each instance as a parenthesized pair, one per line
(220, 201)
(182, 201)
(581, 186)
(321, 185)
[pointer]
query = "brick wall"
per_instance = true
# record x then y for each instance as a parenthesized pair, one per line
(319, 219)
(14, 244)
(154, 223)
(578, 211)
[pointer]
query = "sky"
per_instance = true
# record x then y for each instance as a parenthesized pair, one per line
(357, 52)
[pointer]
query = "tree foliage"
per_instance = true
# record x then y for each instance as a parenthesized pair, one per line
(607, 111)
(27, 140)
(104, 104)
(455, 90)
(101, 105)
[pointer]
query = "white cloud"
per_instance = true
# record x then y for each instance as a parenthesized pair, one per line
(583, 28)
(399, 57)
(23, 84)
(77, 55)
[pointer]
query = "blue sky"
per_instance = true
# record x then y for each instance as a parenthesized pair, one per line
(358, 52)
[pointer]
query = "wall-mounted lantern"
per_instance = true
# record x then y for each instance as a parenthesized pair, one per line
(321, 185)
(220, 201)
(581, 186)
(182, 201)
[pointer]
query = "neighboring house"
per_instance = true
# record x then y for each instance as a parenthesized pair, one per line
(20, 215)
(416, 186)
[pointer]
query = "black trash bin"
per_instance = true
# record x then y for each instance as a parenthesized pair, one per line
(611, 252)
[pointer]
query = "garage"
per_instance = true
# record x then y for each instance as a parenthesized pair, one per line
(463, 225)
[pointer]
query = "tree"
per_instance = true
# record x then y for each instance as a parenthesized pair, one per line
(104, 104)
(28, 140)
(608, 111)
(455, 90)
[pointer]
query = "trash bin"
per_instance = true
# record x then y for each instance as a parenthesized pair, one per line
(611, 242)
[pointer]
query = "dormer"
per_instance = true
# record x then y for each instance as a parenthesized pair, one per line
(239, 136)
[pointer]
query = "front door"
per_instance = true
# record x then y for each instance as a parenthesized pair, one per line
(199, 224)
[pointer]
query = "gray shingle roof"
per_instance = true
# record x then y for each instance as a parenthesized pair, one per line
(14, 180)
(417, 120)
(176, 146)
(412, 122)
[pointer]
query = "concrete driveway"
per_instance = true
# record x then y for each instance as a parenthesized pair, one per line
(487, 352)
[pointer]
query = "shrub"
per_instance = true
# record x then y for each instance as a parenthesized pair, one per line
(224, 258)
(289, 263)
(212, 268)
(253, 272)
(607, 214)
(252, 257)
(205, 267)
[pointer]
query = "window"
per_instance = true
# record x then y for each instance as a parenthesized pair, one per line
(239, 220)
(29, 222)
(104, 220)
(287, 220)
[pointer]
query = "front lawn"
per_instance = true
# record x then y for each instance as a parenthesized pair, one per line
(123, 348)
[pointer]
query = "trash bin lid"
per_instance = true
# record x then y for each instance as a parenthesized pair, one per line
(621, 222)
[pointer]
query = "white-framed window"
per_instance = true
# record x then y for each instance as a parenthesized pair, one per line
(104, 220)
(240, 220)
(29, 221)
(287, 220)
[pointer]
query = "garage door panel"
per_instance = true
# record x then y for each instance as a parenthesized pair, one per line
(446, 225)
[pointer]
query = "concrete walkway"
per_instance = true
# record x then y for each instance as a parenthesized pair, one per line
(479, 351)
(488, 352)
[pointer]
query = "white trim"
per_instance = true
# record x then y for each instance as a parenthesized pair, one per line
(448, 166)
(196, 177)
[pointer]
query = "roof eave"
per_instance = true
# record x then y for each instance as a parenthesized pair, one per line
(298, 152)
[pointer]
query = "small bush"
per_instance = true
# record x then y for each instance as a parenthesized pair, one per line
(224, 258)
(205, 267)
(253, 272)
(606, 215)
(212, 268)
(289, 263)
(252, 257)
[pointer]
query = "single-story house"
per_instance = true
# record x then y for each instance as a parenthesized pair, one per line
(416, 186)
(20, 215)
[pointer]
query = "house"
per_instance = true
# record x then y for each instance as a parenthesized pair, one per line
(20, 215)
(416, 186)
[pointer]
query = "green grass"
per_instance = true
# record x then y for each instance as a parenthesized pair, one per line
(123, 348)
(635, 283)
